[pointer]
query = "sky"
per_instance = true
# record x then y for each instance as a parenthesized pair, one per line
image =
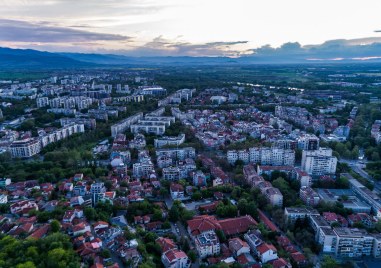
(184, 27)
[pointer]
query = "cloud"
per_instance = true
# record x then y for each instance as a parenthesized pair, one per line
(368, 48)
(161, 46)
(44, 32)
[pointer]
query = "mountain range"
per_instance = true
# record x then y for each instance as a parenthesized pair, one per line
(289, 53)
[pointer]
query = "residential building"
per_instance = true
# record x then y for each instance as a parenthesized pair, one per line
(293, 213)
(319, 162)
(207, 244)
(263, 156)
(171, 173)
(199, 178)
(175, 258)
(169, 141)
(97, 191)
(25, 148)
(177, 153)
(308, 142)
(177, 191)
(123, 125)
(238, 247)
(309, 196)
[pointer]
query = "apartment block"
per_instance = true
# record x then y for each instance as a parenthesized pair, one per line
(263, 156)
(25, 148)
(319, 162)
(309, 196)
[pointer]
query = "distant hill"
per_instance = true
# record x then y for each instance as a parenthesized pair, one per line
(28, 58)
(287, 54)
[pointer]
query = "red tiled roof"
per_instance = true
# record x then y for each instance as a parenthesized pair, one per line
(237, 225)
(264, 247)
(165, 243)
(174, 254)
(298, 257)
(39, 233)
(269, 224)
(203, 223)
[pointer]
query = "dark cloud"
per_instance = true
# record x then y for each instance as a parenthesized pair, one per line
(345, 49)
(43, 32)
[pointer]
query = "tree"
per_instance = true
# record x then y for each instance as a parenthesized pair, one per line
(329, 262)
(174, 214)
(375, 156)
(192, 256)
(55, 226)
(27, 264)
(90, 214)
(221, 236)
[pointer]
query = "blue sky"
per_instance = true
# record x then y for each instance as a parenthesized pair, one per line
(183, 27)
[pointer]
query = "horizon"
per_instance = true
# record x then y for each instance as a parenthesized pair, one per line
(189, 28)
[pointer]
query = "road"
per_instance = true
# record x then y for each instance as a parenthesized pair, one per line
(358, 167)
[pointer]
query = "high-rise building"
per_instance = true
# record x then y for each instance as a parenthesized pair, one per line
(319, 162)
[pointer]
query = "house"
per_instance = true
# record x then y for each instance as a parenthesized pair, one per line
(68, 216)
(177, 191)
(280, 263)
(266, 252)
(119, 221)
(76, 201)
(100, 225)
(40, 232)
(246, 260)
(166, 243)
(175, 258)
(199, 178)
(209, 208)
(238, 247)
(23, 207)
(81, 228)
(299, 259)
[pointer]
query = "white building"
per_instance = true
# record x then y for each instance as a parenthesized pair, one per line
(177, 153)
(177, 191)
(169, 141)
(171, 173)
(143, 169)
(293, 213)
(263, 156)
(349, 242)
(308, 142)
(123, 125)
(42, 102)
(207, 244)
(25, 148)
(319, 162)
(175, 258)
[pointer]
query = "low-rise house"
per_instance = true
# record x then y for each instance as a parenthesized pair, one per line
(100, 225)
(238, 247)
(177, 191)
(23, 207)
(80, 228)
(175, 258)
(266, 252)
(166, 244)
